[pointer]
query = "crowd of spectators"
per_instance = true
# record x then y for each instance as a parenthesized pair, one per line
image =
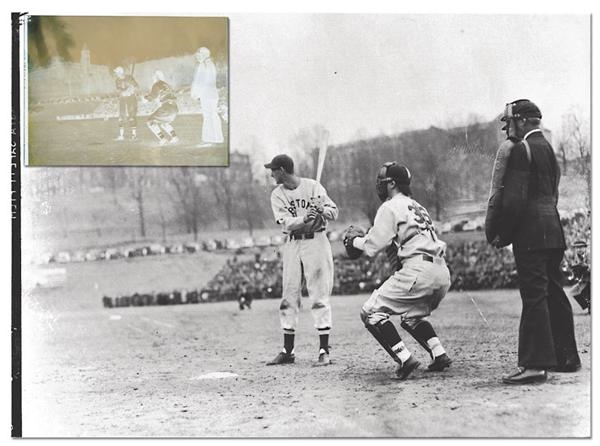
(473, 265)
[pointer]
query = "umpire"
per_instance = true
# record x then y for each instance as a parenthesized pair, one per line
(529, 220)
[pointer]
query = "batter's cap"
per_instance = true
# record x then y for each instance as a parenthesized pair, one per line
(281, 161)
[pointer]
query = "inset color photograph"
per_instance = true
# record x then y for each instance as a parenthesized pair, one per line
(127, 91)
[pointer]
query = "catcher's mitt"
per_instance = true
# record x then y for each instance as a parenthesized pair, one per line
(349, 235)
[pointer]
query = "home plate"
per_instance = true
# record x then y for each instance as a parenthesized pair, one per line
(115, 317)
(216, 375)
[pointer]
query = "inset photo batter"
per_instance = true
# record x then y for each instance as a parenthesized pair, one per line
(126, 91)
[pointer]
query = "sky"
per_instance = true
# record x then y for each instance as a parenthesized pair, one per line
(372, 74)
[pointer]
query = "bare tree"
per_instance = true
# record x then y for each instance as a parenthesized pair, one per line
(136, 186)
(223, 187)
(576, 135)
(188, 184)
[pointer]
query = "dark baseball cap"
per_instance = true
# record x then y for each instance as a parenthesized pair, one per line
(393, 171)
(281, 161)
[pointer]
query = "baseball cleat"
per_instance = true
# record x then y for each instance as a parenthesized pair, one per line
(439, 363)
(174, 140)
(283, 358)
(120, 138)
(323, 358)
(403, 371)
(162, 142)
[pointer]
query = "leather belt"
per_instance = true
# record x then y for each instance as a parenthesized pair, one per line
(304, 236)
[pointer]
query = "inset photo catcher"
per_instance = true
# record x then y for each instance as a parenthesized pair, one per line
(125, 91)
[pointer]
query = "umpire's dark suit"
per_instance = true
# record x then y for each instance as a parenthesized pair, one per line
(531, 221)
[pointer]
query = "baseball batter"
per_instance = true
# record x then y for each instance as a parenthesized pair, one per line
(301, 206)
(127, 88)
(421, 280)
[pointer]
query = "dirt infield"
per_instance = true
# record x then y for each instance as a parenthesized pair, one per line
(199, 370)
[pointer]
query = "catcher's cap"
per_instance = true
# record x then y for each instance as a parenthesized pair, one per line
(521, 108)
(281, 161)
(119, 71)
(393, 171)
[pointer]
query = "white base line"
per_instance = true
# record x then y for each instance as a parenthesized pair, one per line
(478, 309)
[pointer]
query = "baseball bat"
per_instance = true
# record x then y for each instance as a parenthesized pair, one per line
(322, 153)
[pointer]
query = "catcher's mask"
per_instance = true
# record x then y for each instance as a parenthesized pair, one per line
(391, 171)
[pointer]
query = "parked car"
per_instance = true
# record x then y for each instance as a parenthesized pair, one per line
(459, 225)
(177, 248)
(192, 247)
(156, 249)
(78, 256)
(231, 244)
(93, 255)
(247, 243)
(470, 225)
(113, 253)
(62, 257)
(209, 245)
(138, 252)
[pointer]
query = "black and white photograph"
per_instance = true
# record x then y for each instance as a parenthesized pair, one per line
(127, 91)
(390, 238)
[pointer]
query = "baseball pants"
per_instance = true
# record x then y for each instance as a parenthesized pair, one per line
(315, 258)
(127, 111)
(412, 292)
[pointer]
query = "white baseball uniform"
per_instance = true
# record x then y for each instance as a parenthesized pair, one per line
(422, 282)
(307, 250)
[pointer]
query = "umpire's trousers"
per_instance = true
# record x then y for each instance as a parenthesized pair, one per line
(546, 332)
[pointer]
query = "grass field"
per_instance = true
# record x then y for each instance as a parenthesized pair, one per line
(150, 371)
(91, 142)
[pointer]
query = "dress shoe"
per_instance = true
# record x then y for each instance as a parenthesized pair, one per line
(525, 376)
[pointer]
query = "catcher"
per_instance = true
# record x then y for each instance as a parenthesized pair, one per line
(420, 281)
